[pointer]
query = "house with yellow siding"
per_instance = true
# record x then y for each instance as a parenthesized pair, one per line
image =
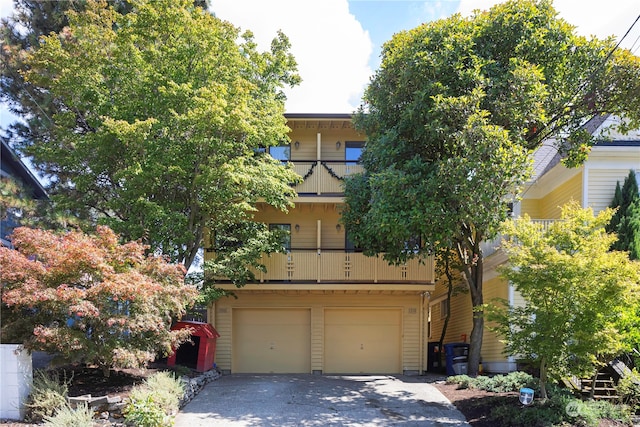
(324, 307)
(553, 185)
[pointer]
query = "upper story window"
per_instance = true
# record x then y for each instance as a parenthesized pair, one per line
(353, 151)
(281, 152)
(285, 234)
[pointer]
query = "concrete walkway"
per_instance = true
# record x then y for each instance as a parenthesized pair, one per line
(314, 400)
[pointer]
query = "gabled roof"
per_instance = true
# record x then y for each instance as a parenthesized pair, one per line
(546, 157)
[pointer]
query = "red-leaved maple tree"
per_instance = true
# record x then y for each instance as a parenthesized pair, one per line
(89, 299)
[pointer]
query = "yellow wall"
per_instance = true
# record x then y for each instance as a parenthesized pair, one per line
(461, 321)
(307, 137)
(549, 206)
(601, 185)
(411, 305)
(306, 215)
(492, 348)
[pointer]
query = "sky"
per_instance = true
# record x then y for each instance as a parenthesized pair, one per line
(337, 43)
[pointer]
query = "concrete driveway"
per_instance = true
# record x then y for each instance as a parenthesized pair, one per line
(315, 400)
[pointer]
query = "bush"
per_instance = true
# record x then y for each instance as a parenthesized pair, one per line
(68, 417)
(167, 390)
(152, 403)
(628, 390)
(513, 381)
(142, 411)
(48, 395)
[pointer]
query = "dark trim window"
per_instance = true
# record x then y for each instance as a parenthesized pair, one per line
(281, 152)
(353, 151)
(285, 234)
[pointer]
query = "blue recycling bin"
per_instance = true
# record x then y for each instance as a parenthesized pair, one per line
(456, 355)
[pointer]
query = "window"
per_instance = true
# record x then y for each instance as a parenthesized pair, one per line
(281, 152)
(353, 151)
(284, 233)
(444, 308)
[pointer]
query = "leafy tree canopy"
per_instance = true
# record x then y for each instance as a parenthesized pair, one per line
(452, 117)
(582, 299)
(89, 299)
(154, 119)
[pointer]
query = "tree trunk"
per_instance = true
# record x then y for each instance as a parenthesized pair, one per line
(543, 379)
(471, 257)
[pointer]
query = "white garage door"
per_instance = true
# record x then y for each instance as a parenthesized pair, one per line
(271, 341)
(362, 341)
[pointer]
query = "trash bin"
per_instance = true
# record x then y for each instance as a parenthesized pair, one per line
(434, 357)
(456, 355)
(198, 354)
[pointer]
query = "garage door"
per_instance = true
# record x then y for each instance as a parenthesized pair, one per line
(362, 341)
(271, 341)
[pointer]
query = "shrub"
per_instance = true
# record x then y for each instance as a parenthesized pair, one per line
(629, 390)
(68, 417)
(167, 390)
(90, 299)
(513, 381)
(152, 403)
(48, 395)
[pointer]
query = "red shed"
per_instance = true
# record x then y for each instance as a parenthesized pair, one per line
(200, 354)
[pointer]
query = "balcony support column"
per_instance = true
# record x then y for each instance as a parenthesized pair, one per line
(318, 246)
(319, 159)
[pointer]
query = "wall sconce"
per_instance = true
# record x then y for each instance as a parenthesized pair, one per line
(338, 145)
(338, 228)
(296, 144)
(297, 227)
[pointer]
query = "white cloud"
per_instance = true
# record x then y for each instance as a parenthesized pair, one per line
(329, 44)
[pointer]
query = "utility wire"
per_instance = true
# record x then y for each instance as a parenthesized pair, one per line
(554, 152)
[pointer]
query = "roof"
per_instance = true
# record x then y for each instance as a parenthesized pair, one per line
(15, 167)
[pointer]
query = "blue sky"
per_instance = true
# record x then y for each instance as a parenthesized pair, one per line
(337, 42)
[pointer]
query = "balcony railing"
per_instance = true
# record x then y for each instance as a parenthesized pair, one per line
(330, 266)
(491, 246)
(323, 177)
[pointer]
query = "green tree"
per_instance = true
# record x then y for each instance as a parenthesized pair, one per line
(626, 221)
(156, 118)
(89, 299)
(580, 297)
(452, 116)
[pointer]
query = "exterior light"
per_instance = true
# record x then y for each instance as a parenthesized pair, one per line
(296, 144)
(338, 227)
(297, 227)
(338, 145)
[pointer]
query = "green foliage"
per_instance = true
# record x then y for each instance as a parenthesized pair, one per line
(143, 411)
(513, 381)
(628, 390)
(452, 115)
(560, 409)
(81, 416)
(581, 298)
(625, 223)
(88, 299)
(48, 395)
(153, 403)
(167, 390)
(155, 135)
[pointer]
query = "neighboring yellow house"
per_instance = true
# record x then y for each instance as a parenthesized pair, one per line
(323, 307)
(553, 185)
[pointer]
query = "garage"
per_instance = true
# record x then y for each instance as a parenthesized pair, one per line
(271, 340)
(362, 341)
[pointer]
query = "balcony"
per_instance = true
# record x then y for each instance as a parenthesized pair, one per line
(490, 247)
(323, 177)
(332, 266)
